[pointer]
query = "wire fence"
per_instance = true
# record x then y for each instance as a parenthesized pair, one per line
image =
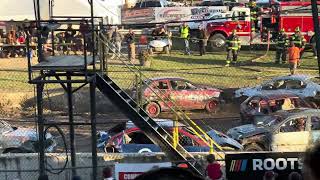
(17, 98)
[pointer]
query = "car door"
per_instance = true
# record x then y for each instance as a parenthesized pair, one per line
(137, 142)
(184, 95)
(315, 129)
(295, 86)
(161, 93)
(291, 135)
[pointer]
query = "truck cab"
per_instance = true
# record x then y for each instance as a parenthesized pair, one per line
(238, 18)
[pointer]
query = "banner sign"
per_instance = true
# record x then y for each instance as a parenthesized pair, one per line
(141, 15)
(188, 13)
(129, 171)
(166, 14)
(252, 166)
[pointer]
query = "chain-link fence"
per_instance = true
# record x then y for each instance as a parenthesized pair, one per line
(187, 73)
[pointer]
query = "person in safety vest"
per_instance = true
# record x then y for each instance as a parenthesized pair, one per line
(254, 15)
(298, 40)
(282, 47)
(184, 34)
(233, 46)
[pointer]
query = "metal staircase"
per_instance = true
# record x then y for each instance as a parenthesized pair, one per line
(142, 120)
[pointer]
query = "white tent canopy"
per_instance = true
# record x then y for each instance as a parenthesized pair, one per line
(23, 9)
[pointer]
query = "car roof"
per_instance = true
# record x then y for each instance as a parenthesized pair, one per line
(161, 122)
(301, 77)
(273, 95)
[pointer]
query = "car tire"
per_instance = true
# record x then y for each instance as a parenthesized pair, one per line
(144, 150)
(253, 147)
(153, 109)
(211, 106)
(167, 50)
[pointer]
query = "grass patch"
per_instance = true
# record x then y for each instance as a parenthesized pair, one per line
(208, 69)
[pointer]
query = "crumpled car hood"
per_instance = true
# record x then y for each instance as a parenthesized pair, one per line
(245, 131)
(26, 133)
(224, 140)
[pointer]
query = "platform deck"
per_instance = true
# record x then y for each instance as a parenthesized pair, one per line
(63, 63)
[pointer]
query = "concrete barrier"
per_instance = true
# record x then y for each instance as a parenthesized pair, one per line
(25, 166)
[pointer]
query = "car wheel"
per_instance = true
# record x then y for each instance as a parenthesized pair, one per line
(211, 106)
(153, 109)
(166, 50)
(144, 150)
(253, 147)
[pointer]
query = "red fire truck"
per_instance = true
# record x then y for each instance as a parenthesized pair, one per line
(287, 15)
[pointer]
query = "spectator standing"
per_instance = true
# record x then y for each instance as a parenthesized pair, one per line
(298, 40)
(107, 173)
(314, 46)
(233, 46)
(69, 35)
(295, 176)
(270, 175)
(294, 57)
(185, 35)
(281, 47)
(116, 39)
(202, 40)
(130, 39)
(213, 170)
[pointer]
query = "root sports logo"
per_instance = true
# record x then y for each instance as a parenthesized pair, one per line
(238, 165)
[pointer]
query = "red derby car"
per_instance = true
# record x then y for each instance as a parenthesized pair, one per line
(160, 93)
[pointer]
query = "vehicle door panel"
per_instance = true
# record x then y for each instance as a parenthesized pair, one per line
(288, 138)
(183, 97)
(162, 89)
(315, 129)
(140, 148)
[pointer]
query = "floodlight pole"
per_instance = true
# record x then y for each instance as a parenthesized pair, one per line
(316, 29)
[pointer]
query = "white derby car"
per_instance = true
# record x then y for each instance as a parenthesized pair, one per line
(301, 85)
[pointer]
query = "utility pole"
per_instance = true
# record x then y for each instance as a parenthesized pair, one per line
(316, 29)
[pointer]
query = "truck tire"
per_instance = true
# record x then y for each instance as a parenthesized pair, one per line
(253, 147)
(217, 42)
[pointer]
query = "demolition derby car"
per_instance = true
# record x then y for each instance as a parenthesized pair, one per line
(127, 138)
(285, 131)
(159, 94)
(302, 85)
(256, 107)
(22, 140)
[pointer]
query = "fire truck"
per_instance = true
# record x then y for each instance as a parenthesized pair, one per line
(287, 15)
